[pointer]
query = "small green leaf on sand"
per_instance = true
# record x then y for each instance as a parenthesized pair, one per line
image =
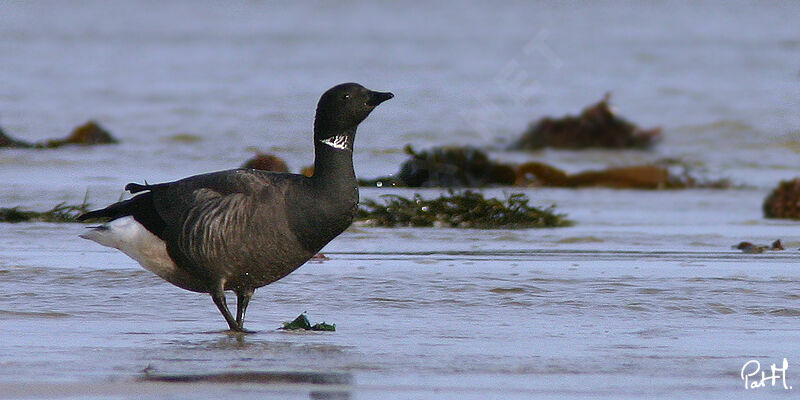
(322, 326)
(302, 323)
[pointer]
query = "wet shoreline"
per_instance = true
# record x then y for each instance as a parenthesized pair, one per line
(643, 297)
(551, 305)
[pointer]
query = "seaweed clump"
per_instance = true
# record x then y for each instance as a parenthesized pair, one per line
(596, 126)
(471, 167)
(464, 166)
(448, 166)
(663, 174)
(60, 213)
(750, 248)
(266, 162)
(302, 323)
(465, 209)
(784, 201)
(9, 142)
(90, 133)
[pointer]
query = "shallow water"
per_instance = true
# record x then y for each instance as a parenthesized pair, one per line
(642, 298)
(557, 313)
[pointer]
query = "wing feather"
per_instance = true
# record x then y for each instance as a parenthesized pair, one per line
(214, 231)
(216, 224)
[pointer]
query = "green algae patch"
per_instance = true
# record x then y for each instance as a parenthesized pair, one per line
(301, 323)
(465, 209)
(60, 213)
(183, 138)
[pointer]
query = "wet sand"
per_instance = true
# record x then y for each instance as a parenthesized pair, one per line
(611, 308)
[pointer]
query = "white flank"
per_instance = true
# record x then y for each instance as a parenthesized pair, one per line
(337, 142)
(132, 238)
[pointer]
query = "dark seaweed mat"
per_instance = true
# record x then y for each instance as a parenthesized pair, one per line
(467, 209)
(60, 213)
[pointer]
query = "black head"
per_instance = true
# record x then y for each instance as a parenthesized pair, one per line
(343, 107)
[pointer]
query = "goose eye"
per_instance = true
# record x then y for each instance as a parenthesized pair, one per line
(346, 97)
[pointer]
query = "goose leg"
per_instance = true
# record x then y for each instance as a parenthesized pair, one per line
(242, 299)
(218, 295)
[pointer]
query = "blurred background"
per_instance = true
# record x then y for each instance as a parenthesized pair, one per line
(193, 86)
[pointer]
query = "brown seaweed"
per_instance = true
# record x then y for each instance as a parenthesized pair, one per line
(463, 166)
(471, 167)
(9, 142)
(597, 126)
(783, 201)
(665, 174)
(90, 133)
(447, 166)
(266, 162)
(750, 248)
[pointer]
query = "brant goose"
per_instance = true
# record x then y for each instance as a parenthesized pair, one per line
(242, 229)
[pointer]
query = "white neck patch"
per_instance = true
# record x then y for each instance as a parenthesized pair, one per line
(338, 142)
